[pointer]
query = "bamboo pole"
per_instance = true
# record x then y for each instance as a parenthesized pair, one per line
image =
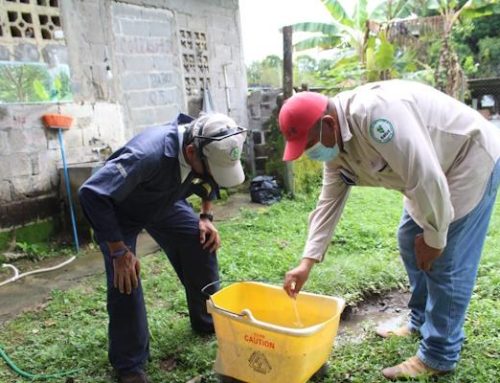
(287, 93)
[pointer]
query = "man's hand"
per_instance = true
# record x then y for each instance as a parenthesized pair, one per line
(126, 272)
(425, 254)
(209, 236)
(295, 278)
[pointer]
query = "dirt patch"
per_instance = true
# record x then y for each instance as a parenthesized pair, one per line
(387, 311)
(233, 207)
(168, 364)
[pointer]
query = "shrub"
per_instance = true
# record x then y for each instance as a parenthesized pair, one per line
(307, 173)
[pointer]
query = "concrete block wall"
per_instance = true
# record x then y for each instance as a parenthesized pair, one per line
(147, 62)
(261, 104)
(126, 73)
(147, 57)
(30, 154)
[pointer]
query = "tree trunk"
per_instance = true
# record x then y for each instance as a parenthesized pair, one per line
(448, 75)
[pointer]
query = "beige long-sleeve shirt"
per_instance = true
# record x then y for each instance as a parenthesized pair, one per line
(412, 138)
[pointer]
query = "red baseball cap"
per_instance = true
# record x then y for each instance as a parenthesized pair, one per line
(297, 116)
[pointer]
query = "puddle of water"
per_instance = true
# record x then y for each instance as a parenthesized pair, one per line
(389, 311)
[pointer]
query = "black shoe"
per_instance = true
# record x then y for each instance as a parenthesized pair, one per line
(133, 377)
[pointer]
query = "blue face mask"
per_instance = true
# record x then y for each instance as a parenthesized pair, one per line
(320, 152)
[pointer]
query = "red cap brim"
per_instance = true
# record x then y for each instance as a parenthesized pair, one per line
(294, 149)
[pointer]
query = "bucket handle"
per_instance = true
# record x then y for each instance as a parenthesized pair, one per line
(246, 315)
(209, 297)
(203, 290)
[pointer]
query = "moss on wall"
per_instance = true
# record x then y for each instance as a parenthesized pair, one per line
(36, 232)
(39, 232)
(5, 238)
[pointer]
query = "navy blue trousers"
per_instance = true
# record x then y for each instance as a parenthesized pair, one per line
(177, 233)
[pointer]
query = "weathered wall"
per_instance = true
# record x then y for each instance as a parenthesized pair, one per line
(30, 154)
(148, 53)
(127, 71)
(261, 104)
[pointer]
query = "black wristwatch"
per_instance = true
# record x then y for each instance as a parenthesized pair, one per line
(208, 216)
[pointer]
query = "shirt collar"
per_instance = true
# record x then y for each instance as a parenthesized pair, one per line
(172, 147)
(183, 165)
(342, 103)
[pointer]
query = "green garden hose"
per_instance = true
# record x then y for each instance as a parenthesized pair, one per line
(28, 375)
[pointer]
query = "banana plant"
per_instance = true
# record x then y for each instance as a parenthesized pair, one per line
(345, 31)
(359, 50)
(380, 58)
(448, 74)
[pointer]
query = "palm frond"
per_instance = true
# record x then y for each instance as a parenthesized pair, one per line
(402, 9)
(338, 12)
(346, 56)
(433, 5)
(321, 42)
(380, 12)
(324, 28)
(477, 10)
(361, 13)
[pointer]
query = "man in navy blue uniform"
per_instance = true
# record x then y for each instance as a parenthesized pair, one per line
(144, 185)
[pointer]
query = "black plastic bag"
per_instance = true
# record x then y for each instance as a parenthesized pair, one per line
(265, 190)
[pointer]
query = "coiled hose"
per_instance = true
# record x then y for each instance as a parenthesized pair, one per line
(4, 356)
(28, 375)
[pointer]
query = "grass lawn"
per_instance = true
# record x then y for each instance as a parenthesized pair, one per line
(70, 332)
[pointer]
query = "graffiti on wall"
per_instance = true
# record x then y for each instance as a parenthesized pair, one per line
(34, 82)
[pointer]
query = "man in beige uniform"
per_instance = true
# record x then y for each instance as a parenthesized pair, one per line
(443, 156)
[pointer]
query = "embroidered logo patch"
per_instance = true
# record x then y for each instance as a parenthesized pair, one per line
(235, 154)
(382, 131)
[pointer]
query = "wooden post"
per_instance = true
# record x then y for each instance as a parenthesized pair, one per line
(287, 93)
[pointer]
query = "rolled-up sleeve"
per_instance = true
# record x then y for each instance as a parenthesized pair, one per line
(111, 185)
(324, 219)
(396, 132)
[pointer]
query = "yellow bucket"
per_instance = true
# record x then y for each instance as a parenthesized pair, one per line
(264, 336)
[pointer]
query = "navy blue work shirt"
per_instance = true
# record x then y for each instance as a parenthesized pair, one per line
(139, 183)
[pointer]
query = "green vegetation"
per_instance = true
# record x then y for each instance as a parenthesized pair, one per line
(5, 239)
(37, 232)
(437, 42)
(268, 72)
(448, 73)
(307, 173)
(34, 82)
(70, 332)
(478, 44)
(362, 51)
(39, 251)
(35, 236)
